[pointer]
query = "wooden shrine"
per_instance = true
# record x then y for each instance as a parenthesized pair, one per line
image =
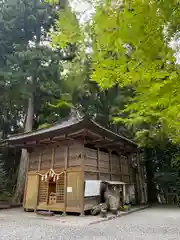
(65, 155)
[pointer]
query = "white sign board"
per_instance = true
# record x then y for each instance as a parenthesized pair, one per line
(69, 189)
(92, 188)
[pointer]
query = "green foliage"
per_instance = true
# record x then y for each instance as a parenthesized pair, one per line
(118, 69)
(29, 67)
(66, 32)
(131, 48)
(84, 94)
(162, 163)
(45, 125)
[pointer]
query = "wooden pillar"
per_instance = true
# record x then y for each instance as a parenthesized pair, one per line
(110, 165)
(98, 168)
(38, 180)
(83, 156)
(129, 167)
(140, 187)
(26, 180)
(120, 167)
(65, 178)
(124, 193)
(53, 157)
(137, 180)
(40, 159)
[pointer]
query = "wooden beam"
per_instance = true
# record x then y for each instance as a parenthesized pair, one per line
(94, 134)
(26, 146)
(98, 140)
(53, 157)
(90, 165)
(65, 178)
(108, 172)
(140, 177)
(120, 170)
(38, 180)
(129, 167)
(62, 137)
(101, 139)
(77, 133)
(40, 159)
(82, 182)
(26, 180)
(98, 167)
(48, 141)
(63, 141)
(110, 165)
(118, 149)
(114, 144)
(45, 140)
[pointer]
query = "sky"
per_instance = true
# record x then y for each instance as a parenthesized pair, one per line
(83, 8)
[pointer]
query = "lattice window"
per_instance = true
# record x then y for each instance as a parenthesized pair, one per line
(60, 189)
(43, 191)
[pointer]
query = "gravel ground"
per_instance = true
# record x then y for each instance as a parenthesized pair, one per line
(149, 224)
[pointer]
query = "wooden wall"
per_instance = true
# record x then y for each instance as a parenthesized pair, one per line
(98, 164)
(37, 192)
(80, 163)
(53, 156)
(101, 165)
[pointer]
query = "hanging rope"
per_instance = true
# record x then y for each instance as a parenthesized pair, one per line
(50, 173)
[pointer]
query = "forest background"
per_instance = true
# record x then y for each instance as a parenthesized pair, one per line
(117, 63)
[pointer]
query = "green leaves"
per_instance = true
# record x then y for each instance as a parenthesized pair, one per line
(28, 67)
(131, 48)
(67, 30)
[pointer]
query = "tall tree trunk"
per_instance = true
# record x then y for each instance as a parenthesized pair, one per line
(23, 167)
(18, 195)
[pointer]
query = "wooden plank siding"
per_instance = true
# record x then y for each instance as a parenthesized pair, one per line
(53, 156)
(80, 163)
(59, 156)
(46, 158)
(100, 165)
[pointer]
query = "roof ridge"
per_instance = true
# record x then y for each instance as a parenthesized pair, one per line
(60, 121)
(66, 123)
(110, 131)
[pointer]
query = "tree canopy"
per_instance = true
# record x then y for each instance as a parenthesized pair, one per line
(131, 47)
(133, 75)
(120, 68)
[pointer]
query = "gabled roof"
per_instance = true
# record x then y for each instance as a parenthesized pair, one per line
(68, 126)
(57, 126)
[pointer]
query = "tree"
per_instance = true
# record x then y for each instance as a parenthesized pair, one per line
(29, 70)
(99, 104)
(126, 52)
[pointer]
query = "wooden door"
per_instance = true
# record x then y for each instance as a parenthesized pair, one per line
(73, 190)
